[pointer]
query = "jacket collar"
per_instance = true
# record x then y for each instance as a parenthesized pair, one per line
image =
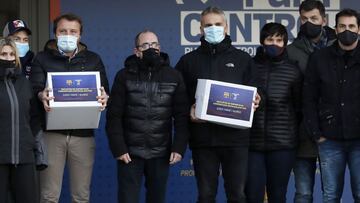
(51, 46)
(327, 38)
(354, 54)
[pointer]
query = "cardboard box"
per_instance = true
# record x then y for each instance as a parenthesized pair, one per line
(225, 103)
(75, 105)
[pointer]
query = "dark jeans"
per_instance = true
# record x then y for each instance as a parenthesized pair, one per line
(156, 172)
(22, 183)
(233, 162)
(304, 172)
(334, 156)
(271, 170)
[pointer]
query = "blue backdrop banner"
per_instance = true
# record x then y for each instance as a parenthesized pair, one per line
(110, 27)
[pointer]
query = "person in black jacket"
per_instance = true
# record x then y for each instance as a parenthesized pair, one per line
(19, 32)
(146, 98)
(274, 134)
(19, 125)
(75, 147)
(313, 35)
(213, 145)
(331, 99)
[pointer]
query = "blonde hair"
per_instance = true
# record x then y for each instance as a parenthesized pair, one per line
(9, 42)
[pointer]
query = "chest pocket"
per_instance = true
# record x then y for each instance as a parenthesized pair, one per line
(165, 93)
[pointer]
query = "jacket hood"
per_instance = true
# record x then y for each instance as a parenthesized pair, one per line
(51, 46)
(133, 62)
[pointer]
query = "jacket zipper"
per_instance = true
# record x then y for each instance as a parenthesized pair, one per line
(148, 95)
(266, 105)
(14, 106)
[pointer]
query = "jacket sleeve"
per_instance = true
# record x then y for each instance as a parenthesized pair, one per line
(181, 66)
(114, 117)
(38, 75)
(104, 81)
(35, 119)
(40, 149)
(252, 78)
(181, 117)
(311, 98)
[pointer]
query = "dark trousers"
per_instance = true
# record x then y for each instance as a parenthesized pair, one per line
(271, 170)
(233, 162)
(22, 183)
(156, 172)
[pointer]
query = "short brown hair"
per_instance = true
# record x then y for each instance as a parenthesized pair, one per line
(69, 17)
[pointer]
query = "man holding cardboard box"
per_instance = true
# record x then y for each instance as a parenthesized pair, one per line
(74, 147)
(212, 144)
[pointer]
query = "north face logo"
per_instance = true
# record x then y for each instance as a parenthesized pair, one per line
(230, 65)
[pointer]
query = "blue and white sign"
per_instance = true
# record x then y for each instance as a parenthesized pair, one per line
(110, 27)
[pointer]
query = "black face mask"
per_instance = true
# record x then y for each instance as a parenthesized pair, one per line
(151, 57)
(347, 37)
(310, 30)
(7, 67)
(4, 64)
(273, 51)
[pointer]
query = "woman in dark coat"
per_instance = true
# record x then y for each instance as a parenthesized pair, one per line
(273, 137)
(18, 128)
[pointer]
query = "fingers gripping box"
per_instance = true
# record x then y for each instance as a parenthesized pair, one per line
(225, 103)
(75, 105)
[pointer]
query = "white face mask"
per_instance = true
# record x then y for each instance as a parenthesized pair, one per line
(214, 34)
(67, 43)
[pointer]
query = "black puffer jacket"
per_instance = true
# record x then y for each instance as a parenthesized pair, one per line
(50, 60)
(144, 103)
(222, 62)
(19, 118)
(276, 124)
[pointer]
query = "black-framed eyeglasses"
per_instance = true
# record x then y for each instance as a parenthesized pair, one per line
(147, 45)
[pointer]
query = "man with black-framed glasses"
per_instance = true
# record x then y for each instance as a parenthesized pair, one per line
(147, 104)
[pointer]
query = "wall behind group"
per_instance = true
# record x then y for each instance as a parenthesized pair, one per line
(109, 29)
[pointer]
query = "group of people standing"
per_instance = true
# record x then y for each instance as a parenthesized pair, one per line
(306, 110)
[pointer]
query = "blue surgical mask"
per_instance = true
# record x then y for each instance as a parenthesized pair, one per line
(67, 43)
(214, 34)
(22, 48)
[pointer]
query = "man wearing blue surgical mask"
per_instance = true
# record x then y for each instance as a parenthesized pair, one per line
(214, 145)
(73, 147)
(19, 32)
